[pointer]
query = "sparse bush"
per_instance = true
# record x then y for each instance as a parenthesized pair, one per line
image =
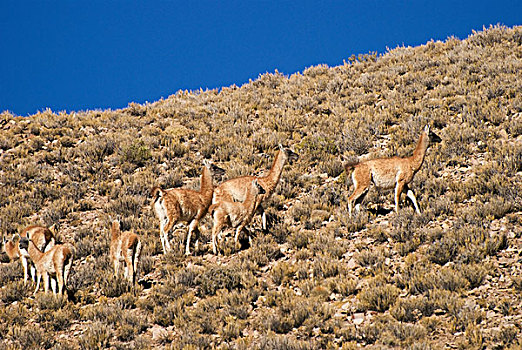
(31, 337)
(47, 301)
(14, 291)
(378, 296)
(412, 309)
(97, 336)
(216, 278)
(114, 286)
(137, 153)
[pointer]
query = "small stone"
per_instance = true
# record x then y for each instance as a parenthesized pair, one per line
(346, 306)
(358, 318)
(158, 332)
(351, 264)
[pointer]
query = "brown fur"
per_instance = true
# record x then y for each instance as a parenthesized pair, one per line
(41, 236)
(54, 263)
(388, 173)
(236, 189)
(125, 247)
(235, 214)
(182, 205)
(10, 247)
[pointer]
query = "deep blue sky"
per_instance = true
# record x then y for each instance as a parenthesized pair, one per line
(77, 55)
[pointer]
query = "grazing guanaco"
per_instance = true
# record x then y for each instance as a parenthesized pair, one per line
(236, 189)
(53, 264)
(43, 238)
(125, 247)
(183, 205)
(235, 214)
(387, 173)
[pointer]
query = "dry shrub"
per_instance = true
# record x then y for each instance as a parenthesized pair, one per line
(378, 295)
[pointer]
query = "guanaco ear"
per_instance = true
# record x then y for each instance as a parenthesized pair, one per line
(16, 237)
(427, 129)
(53, 228)
(281, 147)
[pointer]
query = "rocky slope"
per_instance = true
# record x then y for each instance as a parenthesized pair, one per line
(448, 278)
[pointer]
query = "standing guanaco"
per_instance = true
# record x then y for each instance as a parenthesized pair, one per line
(125, 247)
(178, 204)
(235, 214)
(43, 238)
(387, 173)
(54, 263)
(236, 189)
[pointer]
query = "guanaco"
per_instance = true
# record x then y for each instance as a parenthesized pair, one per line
(10, 247)
(43, 238)
(53, 264)
(183, 205)
(125, 247)
(387, 173)
(235, 214)
(236, 189)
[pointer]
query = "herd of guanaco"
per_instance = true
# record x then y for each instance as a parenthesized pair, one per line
(232, 204)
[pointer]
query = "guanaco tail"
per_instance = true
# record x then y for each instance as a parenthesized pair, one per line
(53, 264)
(125, 247)
(387, 173)
(235, 214)
(183, 205)
(236, 189)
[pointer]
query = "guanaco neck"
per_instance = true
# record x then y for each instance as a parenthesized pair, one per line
(34, 253)
(272, 179)
(207, 187)
(420, 152)
(115, 231)
(250, 200)
(11, 251)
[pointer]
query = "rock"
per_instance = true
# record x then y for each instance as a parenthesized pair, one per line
(346, 306)
(358, 318)
(351, 264)
(490, 314)
(158, 332)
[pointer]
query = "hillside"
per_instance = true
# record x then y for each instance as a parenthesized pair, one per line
(450, 277)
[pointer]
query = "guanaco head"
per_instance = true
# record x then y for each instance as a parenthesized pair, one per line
(54, 229)
(214, 169)
(10, 247)
(432, 137)
(115, 228)
(22, 243)
(291, 156)
(348, 163)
